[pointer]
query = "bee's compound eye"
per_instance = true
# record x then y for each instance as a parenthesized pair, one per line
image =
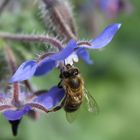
(66, 74)
(75, 72)
(68, 66)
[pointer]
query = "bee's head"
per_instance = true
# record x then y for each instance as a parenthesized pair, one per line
(69, 72)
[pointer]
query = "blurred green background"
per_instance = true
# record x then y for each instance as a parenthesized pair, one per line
(113, 80)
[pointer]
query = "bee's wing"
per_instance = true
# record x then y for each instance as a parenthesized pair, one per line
(90, 102)
(71, 116)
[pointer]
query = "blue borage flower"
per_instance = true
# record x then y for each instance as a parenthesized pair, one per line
(15, 109)
(70, 53)
(42, 66)
(112, 7)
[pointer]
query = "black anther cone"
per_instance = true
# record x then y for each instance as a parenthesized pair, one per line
(14, 126)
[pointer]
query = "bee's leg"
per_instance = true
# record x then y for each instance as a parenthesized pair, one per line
(57, 107)
(60, 84)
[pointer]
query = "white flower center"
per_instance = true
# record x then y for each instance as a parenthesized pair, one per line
(71, 59)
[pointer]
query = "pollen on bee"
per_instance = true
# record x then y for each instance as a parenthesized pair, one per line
(76, 98)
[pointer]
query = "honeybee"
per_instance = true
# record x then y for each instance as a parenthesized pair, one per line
(76, 94)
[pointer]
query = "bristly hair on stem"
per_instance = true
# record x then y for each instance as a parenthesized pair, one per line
(58, 15)
(4, 69)
(12, 63)
(10, 59)
(16, 90)
(32, 38)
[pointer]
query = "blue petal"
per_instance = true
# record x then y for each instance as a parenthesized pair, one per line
(24, 72)
(48, 63)
(44, 67)
(72, 44)
(51, 98)
(16, 115)
(105, 37)
(83, 54)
